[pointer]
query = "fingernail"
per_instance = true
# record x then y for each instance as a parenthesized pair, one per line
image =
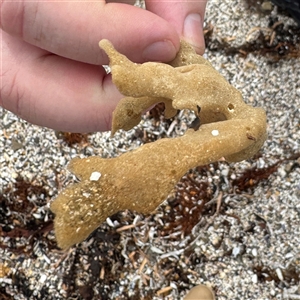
(193, 32)
(160, 51)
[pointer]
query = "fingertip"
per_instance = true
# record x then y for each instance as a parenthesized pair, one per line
(142, 35)
(193, 32)
(159, 51)
(186, 17)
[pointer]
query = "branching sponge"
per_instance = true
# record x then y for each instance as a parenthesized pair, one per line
(141, 180)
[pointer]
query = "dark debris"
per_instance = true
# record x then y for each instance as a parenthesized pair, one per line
(280, 42)
(71, 138)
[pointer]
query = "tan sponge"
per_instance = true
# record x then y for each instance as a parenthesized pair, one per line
(141, 180)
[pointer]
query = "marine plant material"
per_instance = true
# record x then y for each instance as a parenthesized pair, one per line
(140, 180)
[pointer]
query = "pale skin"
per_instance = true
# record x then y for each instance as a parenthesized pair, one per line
(52, 74)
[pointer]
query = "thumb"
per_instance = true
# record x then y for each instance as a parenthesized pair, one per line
(187, 18)
(73, 29)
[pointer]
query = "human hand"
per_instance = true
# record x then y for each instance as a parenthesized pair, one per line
(52, 72)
